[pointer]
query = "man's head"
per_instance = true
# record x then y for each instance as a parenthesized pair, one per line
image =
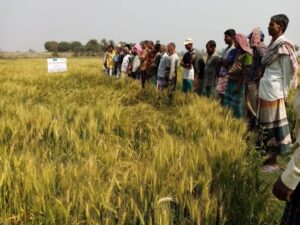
(126, 50)
(133, 51)
(229, 36)
(162, 48)
(188, 43)
(145, 44)
(156, 48)
(171, 48)
(278, 25)
(151, 45)
(211, 47)
(119, 50)
(110, 48)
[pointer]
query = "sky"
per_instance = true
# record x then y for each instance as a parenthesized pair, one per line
(28, 24)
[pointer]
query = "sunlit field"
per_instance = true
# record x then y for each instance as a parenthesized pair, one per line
(84, 148)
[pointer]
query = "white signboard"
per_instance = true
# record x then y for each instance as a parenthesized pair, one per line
(57, 65)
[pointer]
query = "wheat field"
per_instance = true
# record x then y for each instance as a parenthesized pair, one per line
(83, 148)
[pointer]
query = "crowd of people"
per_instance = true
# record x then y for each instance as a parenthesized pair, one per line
(253, 80)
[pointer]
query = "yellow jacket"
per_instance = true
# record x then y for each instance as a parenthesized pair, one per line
(110, 64)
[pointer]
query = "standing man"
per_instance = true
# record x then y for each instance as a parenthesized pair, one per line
(147, 58)
(134, 65)
(187, 63)
(211, 70)
(228, 56)
(174, 61)
(118, 58)
(162, 69)
(256, 41)
(156, 61)
(199, 66)
(125, 62)
(280, 74)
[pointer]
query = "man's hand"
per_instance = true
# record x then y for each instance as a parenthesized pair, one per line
(281, 191)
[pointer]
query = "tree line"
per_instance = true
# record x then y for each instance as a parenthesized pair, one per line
(92, 48)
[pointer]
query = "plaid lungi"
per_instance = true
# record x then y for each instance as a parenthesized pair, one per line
(272, 117)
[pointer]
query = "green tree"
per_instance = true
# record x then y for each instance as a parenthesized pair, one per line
(51, 46)
(64, 46)
(76, 47)
(111, 42)
(92, 47)
(103, 44)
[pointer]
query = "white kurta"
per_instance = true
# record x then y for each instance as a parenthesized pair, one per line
(277, 79)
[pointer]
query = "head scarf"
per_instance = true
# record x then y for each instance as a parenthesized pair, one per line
(243, 43)
(255, 37)
(138, 48)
